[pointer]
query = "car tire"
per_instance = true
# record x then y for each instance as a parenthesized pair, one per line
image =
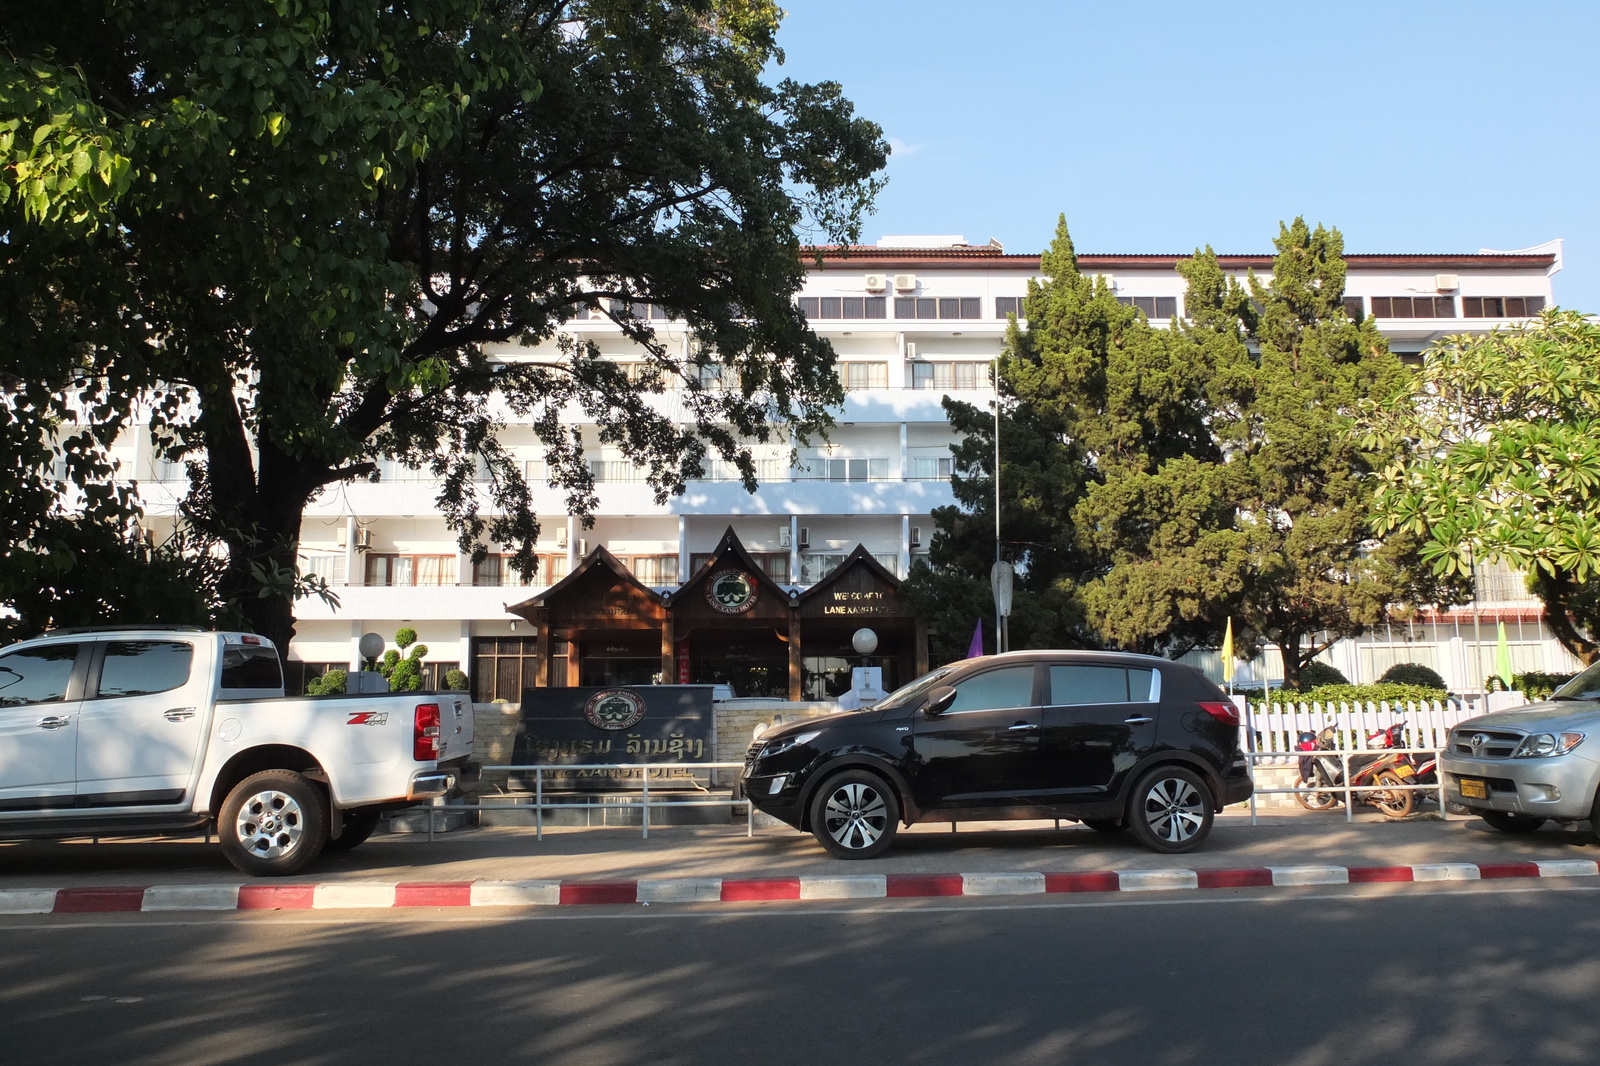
(359, 823)
(1171, 810)
(1106, 825)
(855, 815)
(1396, 803)
(1509, 822)
(274, 823)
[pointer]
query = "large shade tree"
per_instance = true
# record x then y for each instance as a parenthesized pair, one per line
(282, 234)
(1499, 460)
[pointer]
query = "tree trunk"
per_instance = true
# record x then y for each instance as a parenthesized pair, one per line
(1289, 650)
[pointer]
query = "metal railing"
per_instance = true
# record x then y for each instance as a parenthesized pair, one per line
(644, 804)
(1348, 789)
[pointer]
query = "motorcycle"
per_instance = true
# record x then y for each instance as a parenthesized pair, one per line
(1373, 777)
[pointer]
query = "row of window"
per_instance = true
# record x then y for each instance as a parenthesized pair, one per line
(658, 569)
(1445, 306)
(923, 468)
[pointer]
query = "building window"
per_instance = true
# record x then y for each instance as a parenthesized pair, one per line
(1413, 307)
(411, 570)
(615, 470)
(330, 568)
(1353, 308)
(940, 307)
(850, 469)
(765, 469)
(641, 311)
(496, 571)
(932, 468)
(865, 375)
(502, 667)
(774, 564)
(1008, 305)
(653, 569)
(1501, 306)
(1154, 307)
(825, 307)
(950, 376)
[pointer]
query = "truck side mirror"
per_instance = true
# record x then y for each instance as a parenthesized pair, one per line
(940, 697)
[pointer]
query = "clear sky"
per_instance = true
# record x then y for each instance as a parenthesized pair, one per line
(1159, 126)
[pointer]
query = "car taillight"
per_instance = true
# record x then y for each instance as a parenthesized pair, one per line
(1223, 712)
(425, 739)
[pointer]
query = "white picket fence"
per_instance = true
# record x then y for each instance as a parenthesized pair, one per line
(1273, 729)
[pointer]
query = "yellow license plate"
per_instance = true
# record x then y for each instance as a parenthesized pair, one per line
(1474, 788)
(1403, 770)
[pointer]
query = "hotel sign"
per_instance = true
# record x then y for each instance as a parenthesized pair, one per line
(859, 604)
(610, 731)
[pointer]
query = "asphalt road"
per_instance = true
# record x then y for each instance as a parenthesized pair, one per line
(1485, 973)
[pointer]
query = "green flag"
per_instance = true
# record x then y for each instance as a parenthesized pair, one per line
(1502, 658)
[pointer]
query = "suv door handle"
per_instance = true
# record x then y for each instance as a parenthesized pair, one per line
(54, 721)
(178, 714)
(1021, 727)
(1137, 721)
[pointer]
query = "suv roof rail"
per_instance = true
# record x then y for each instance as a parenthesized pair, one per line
(162, 627)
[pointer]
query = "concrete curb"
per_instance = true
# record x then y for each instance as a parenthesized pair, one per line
(352, 895)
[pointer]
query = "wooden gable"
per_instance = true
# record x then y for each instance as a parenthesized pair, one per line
(601, 592)
(860, 588)
(730, 588)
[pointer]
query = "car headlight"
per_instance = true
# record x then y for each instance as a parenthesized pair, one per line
(1544, 745)
(778, 747)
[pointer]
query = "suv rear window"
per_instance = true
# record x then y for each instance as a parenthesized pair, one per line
(251, 666)
(1082, 683)
(139, 667)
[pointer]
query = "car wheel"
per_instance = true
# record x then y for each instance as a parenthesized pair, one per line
(1396, 803)
(1315, 801)
(855, 815)
(1171, 810)
(273, 823)
(358, 826)
(1507, 822)
(1105, 825)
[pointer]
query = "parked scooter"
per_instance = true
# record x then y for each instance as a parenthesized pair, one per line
(1372, 776)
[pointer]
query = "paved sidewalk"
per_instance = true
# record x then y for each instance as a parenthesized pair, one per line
(606, 855)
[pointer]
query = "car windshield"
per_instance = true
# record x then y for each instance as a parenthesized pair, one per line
(1586, 686)
(911, 693)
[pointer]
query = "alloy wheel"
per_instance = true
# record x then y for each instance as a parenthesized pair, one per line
(270, 824)
(1174, 810)
(855, 816)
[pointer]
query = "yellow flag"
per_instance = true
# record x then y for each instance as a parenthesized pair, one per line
(1227, 653)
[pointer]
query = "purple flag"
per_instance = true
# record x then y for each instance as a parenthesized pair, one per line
(975, 649)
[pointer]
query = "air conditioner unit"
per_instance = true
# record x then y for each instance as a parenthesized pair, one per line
(876, 282)
(561, 537)
(805, 537)
(341, 537)
(905, 282)
(363, 537)
(783, 536)
(583, 547)
(916, 536)
(1446, 282)
(911, 350)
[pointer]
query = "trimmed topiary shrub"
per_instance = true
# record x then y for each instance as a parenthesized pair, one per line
(1379, 693)
(1315, 674)
(455, 680)
(1539, 686)
(331, 683)
(1411, 674)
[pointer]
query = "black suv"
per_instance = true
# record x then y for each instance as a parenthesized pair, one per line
(1112, 740)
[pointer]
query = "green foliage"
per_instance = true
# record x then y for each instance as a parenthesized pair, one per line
(294, 228)
(1316, 674)
(331, 683)
(1412, 674)
(1502, 462)
(1347, 693)
(1537, 685)
(404, 672)
(455, 680)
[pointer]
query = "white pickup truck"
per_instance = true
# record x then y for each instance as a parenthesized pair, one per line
(163, 730)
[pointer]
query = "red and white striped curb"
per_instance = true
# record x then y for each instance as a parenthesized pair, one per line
(354, 895)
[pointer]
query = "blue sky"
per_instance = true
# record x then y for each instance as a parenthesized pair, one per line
(1159, 126)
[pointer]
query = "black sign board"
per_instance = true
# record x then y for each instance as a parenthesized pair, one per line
(616, 726)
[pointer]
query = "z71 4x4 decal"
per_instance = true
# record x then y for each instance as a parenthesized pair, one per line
(369, 718)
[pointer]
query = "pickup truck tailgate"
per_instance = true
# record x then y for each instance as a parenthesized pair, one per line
(455, 725)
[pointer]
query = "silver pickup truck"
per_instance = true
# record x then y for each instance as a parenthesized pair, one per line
(1523, 767)
(151, 731)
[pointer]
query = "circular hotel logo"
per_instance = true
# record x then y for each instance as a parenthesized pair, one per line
(732, 591)
(614, 709)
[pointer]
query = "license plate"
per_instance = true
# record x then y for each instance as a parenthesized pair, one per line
(1403, 770)
(1474, 788)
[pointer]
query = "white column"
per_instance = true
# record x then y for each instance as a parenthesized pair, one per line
(355, 646)
(683, 548)
(905, 539)
(794, 549)
(572, 543)
(464, 651)
(352, 556)
(905, 453)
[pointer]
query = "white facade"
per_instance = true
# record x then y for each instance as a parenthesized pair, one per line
(926, 316)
